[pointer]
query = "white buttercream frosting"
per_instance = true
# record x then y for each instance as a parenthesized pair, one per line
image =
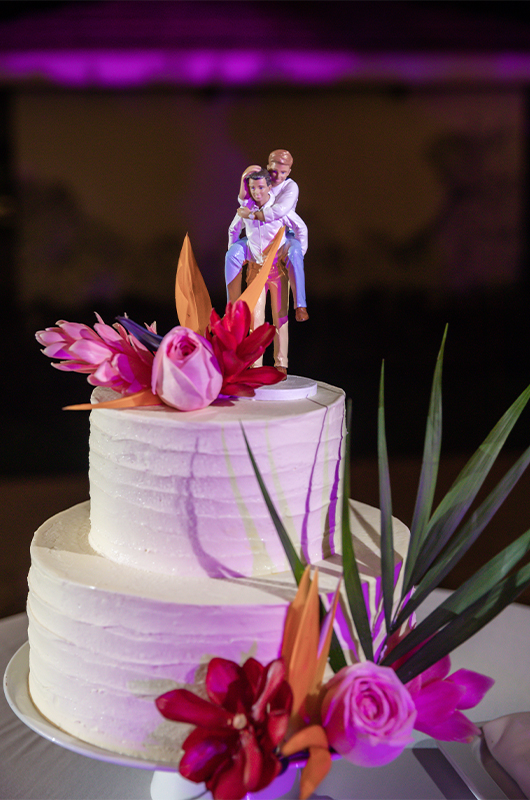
(175, 492)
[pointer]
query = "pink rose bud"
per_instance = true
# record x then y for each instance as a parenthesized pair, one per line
(186, 373)
(368, 714)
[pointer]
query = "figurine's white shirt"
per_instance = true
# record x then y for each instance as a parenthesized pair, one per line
(286, 198)
(283, 206)
(260, 234)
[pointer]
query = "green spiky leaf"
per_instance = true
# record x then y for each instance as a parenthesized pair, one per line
(429, 471)
(458, 500)
(463, 540)
(466, 624)
(385, 501)
(336, 655)
(292, 556)
(462, 603)
(352, 580)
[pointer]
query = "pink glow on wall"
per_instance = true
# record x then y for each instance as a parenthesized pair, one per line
(114, 69)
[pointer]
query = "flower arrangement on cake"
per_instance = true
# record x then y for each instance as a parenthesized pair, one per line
(314, 701)
(190, 366)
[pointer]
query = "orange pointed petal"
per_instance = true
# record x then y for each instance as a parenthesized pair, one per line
(294, 615)
(191, 295)
(143, 398)
(324, 653)
(316, 769)
(312, 736)
(252, 292)
(302, 665)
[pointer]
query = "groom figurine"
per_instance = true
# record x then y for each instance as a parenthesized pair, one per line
(284, 192)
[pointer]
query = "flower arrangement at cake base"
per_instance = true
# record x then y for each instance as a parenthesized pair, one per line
(259, 718)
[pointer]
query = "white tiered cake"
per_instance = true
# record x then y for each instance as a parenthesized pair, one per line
(177, 561)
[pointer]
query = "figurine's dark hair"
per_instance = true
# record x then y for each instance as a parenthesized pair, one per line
(262, 173)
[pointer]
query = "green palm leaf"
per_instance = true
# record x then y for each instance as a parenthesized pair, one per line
(352, 580)
(466, 624)
(336, 655)
(429, 471)
(385, 501)
(463, 540)
(292, 556)
(462, 603)
(457, 501)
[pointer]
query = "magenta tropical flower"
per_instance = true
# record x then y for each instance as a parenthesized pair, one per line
(440, 698)
(236, 351)
(233, 749)
(107, 354)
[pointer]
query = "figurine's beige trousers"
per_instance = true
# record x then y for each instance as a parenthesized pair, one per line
(278, 286)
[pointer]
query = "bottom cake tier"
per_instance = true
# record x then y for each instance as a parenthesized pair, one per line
(107, 639)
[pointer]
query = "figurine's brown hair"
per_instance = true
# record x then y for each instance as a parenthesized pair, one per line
(262, 173)
(281, 157)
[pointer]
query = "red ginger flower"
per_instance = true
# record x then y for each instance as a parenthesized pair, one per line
(233, 749)
(236, 352)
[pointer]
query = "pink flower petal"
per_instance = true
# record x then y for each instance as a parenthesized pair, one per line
(108, 333)
(77, 330)
(437, 672)
(185, 373)
(57, 350)
(93, 352)
(457, 728)
(50, 336)
(105, 375)
(73, 366)
(436, 702)
(475, 685)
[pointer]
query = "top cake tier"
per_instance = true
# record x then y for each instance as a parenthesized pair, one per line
(174, 492)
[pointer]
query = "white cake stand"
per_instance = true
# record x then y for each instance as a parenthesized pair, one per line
(167, 783)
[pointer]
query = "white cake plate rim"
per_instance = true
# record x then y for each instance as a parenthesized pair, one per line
(16, 690)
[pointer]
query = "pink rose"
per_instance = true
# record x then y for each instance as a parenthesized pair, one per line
(186, 374)
(368, 714)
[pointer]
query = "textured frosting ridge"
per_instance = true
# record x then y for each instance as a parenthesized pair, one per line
(174, 492)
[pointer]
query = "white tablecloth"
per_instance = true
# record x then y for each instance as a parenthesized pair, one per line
(33, 768)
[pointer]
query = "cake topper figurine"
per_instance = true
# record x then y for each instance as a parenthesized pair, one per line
(254, 249)
(282, 209)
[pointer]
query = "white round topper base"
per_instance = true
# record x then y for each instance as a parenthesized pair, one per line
(293, 387)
